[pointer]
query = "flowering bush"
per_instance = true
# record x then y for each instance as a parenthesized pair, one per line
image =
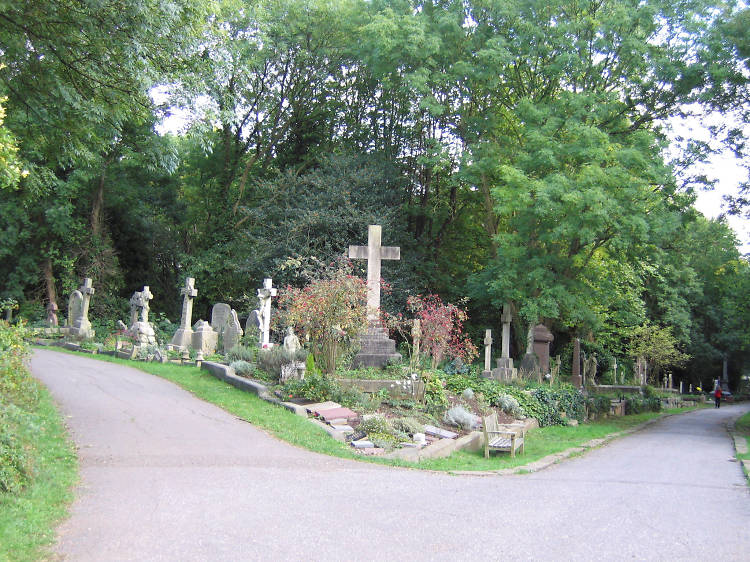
(441, 326)
(332, 311)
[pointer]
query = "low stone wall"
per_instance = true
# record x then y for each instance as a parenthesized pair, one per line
(613, 388)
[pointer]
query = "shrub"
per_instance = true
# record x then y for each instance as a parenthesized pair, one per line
(242, 368)
(510, 406)
(433, 390)
(459, 416)
(598, 404)
(410, 426)
(241, 353)
(375, 424)
(383, 440)
(634, 405)
(271, 360)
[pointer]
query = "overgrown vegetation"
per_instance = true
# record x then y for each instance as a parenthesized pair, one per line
(37, 462)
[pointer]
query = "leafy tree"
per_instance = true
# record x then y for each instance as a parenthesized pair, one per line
(658, 347)
(331, 310)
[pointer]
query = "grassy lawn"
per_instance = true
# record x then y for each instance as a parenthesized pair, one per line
(27, 520)
(742, 428)
(300, 432)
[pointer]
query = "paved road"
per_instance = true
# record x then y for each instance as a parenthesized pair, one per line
(165, 476)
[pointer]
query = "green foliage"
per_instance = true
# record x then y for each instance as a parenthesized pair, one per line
(376, 423)
(331, 310)
(598, 404)
(319, 387)
(241, 353)
(434, 391)
(271, 360)
(242, 368)
(15, 463)
(638, 405)
(408, 425)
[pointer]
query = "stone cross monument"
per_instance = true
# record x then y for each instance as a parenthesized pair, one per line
(505, 370)
(374, 253)
(576, 378)
(184, 334)
(140, 330)
(264, 311)
(376, 349)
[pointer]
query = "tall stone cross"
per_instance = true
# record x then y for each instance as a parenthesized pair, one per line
(374, 253)
(264, 310)
(147, 296)
(86, 290)
(190, 292)
(506, 318)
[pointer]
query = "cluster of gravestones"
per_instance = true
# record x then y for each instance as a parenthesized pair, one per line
(203, 336)
(376, 348)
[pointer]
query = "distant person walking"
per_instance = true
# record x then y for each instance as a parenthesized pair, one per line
(717, 396)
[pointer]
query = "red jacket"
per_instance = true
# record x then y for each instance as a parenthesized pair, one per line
(717, 392)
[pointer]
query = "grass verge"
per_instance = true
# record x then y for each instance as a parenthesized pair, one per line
(742, 429)
(300, 432)
(28, 519)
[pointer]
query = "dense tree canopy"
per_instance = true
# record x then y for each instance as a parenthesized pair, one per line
(517, 151)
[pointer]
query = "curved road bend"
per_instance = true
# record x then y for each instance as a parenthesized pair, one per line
(165, 476)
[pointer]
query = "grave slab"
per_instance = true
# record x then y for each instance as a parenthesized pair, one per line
(439, 432)
(322, 406)
(363, 444)
(336, 413)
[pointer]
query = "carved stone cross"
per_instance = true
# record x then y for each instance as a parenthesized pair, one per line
(374, 253)
(86, 290)
(190, 292)
(146, 296)
(488, 350)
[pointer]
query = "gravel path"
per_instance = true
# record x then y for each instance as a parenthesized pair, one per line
(165, 476)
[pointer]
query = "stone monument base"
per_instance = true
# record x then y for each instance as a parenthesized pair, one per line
(503, 372)
(376, 348)
(142, 334)
(182, 338)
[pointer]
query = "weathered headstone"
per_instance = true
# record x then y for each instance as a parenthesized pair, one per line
(75, 307)
(184, 334)
(253, 323)
(141, 330)
(232, 331)
(80, 328)
(376, 348)
(542, 339)
(265, 294)
(204, 338)
(220, 314)
(487, 373)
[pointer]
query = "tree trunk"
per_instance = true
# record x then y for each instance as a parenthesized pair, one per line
(49, 281)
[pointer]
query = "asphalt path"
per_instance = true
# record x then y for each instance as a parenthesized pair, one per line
(166, 476)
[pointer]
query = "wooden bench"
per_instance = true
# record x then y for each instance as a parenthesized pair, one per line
(497, 439)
